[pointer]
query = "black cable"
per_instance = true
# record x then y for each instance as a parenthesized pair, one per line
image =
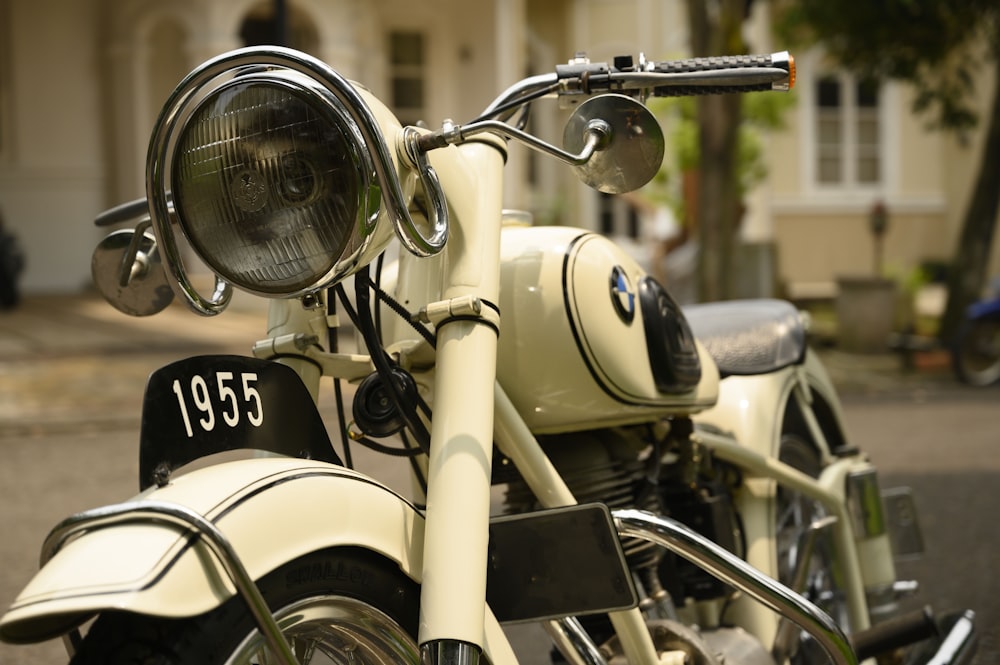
(388, 450)
(418, 473)
(404, 314)
(348, 308)
(342, 423)
(334, 344)
(382, 362)
(378, 289)
(422, 444)
(519, 101)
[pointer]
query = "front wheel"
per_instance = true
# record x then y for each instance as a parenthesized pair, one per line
(976, 352)
(346, 606)
(795, 513)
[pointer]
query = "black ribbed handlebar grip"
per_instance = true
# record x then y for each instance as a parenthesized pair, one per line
(712, 62)
(719, 64)
(125, 212)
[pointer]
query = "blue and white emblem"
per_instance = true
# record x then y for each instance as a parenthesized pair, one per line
(622, 294)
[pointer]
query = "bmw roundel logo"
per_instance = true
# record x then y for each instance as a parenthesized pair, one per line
(622, 294)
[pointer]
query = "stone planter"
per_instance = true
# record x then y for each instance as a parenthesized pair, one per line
(866, 313)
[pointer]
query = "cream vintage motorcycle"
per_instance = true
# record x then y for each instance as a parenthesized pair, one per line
(671, 496)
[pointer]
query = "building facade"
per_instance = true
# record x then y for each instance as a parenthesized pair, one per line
(81, 82)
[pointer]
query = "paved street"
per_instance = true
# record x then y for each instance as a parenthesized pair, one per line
(71, 386)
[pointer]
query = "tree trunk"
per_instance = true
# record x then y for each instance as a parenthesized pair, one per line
(968, 268)
(718, 195)
(715, 29)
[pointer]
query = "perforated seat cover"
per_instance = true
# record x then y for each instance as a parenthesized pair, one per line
(747, 337)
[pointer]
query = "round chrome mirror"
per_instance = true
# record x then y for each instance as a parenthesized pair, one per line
(632, 152)
(128, 272)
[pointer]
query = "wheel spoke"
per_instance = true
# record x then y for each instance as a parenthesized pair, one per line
(304, 649)
(334, 629)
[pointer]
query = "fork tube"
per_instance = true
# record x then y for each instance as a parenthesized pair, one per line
(453, 599)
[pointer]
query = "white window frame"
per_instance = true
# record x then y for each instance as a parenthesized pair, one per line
(408, 70)
(848, 113)
(848, 192)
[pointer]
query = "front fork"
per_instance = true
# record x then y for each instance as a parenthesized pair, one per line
(453, 596)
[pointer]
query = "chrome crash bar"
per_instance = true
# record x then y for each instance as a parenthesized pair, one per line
(159, 512)
(955, 647)
(732, 570)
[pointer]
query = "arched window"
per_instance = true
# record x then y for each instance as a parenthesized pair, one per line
(264, 22)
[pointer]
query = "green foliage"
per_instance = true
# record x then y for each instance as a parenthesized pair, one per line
(762, 111)
(933, 44)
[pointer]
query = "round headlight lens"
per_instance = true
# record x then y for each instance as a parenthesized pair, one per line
(268, 187)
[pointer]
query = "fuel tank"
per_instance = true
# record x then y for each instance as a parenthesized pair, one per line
(588, 339)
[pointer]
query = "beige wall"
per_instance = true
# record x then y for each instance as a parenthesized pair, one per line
(813, 251)
(823, 234)
(51, 162)
(81, 82)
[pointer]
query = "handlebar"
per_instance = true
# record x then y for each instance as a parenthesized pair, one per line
(667, 78)
(124, 212)
(690, 76)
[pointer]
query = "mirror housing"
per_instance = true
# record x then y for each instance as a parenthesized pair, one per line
(631, 152)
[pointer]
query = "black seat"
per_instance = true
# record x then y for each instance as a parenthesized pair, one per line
(747, 337)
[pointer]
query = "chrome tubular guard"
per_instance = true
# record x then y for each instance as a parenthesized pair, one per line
(955, 646)
(732, 570)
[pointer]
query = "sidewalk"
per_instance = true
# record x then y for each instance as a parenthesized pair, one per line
(74, 361)
(84, 324)
(68, 362)
(863, 376)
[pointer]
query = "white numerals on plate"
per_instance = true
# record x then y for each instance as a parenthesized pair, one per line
(225, 406)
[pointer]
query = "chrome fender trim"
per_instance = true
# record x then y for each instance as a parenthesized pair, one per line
(269, 510)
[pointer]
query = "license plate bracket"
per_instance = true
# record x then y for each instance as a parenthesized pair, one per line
(204, 405)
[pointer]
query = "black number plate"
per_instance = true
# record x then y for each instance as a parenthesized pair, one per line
(210, 404)
(556, 563)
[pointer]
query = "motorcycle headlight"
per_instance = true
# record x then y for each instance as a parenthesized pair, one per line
(268, 177)
(268, 187)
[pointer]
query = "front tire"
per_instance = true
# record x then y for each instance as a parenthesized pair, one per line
(976, 352)
(346, 605)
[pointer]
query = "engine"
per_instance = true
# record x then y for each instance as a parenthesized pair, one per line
(653, 467)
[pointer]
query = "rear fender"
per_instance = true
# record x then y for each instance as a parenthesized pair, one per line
(271, 510)
(752, 408)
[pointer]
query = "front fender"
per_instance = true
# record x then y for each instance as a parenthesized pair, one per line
(272, 510)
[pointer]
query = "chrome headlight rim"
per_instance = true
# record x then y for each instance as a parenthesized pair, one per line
(353, 162)
(303, 75)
